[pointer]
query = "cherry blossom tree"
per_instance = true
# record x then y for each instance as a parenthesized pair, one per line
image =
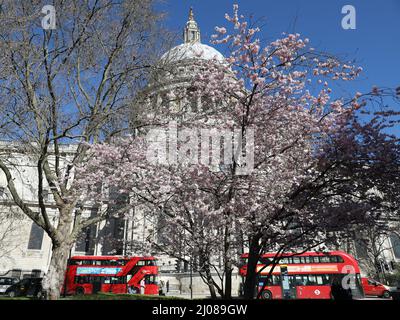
(283, 93)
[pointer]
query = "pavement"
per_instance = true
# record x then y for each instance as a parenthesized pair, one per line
(206, 296)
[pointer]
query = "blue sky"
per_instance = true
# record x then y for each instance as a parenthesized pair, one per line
(375, 43)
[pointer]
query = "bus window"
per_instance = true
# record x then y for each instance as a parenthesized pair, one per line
(296, 259)
(274, 280)
(118, 280)
(312, 281)
(82, 279)
(283, 261)
(307, 259)
(324, 259)
(121, 262)
(326, 280)
(332, 259)
(299, 280)
(339, 259)
(314, 259)
(286, 260)
(150, 279)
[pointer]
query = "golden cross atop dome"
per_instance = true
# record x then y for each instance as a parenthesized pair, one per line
(191, 16)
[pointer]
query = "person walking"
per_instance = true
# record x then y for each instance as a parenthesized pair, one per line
(161, 289)
(142, 286)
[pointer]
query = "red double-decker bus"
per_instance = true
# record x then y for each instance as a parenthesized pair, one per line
(116, 274)
(304, 276)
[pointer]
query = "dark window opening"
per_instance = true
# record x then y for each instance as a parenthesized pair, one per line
(35, 237)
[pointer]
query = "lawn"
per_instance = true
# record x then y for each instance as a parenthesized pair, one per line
(105, 296)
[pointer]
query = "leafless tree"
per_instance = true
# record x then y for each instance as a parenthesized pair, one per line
(71, 85)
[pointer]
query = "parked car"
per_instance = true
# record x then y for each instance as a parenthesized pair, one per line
(6, 282)
(375, 288)
(395, 292)
(29, 287)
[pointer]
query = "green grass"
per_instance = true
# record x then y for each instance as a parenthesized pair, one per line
(16, 298)
(104, 296)
(112, 296)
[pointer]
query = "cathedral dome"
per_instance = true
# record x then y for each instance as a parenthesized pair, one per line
(192, 48)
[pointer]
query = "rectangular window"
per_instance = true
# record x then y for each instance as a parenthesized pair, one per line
(86, 240)
(283, 261)
(296, 259)
(333, 259)
(314, 259)
(2, 192)
(320, 281)
(312, 280)
(45, 195)
(150, 279)
(324, 259)
(107, 280)
(35, 237)
(361, 248)
(299, 280)
(395, 241)
(326, 279)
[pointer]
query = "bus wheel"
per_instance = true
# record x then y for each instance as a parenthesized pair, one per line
(266, 295)
(79, 291)
(386, 294)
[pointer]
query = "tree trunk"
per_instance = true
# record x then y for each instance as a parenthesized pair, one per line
(227, 264)
(228, 280)
(54, 279)
(210, 283)
(251, 275)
